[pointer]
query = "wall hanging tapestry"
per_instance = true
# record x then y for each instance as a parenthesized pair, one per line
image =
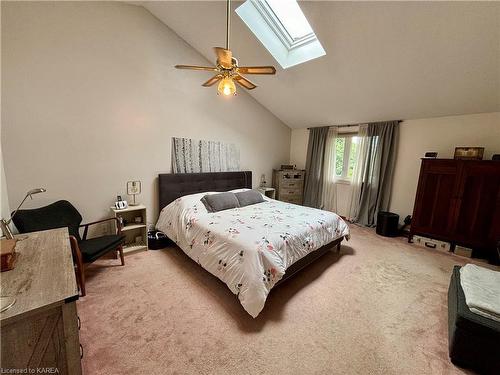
(192, 156)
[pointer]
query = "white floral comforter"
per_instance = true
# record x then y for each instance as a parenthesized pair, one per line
(249, 248)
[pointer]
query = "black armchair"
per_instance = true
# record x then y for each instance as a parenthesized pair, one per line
(63, 214)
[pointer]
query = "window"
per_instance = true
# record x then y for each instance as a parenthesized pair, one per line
(283, 29)
(291, 18)
(346, 154)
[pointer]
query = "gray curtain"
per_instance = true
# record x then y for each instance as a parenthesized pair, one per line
(314, 166)
(379, 158)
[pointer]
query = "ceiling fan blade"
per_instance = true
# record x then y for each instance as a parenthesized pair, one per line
(257, 70)
(224, 57)
(213, 80)
(242, 81)
(196, 67)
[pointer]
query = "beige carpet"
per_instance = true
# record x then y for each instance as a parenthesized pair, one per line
(380, 307)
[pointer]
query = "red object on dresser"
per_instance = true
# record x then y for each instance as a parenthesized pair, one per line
(8, 254)
(459, 201)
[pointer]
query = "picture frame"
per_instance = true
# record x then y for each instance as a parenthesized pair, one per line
(469, 153)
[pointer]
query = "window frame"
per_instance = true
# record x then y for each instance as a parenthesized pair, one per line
(279, 28)
(260, 18)
(344, 178)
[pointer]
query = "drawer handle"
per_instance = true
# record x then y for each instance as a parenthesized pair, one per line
(79, 323)
(81, 351)
(430, 245)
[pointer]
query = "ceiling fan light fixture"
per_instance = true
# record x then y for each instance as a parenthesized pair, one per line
(228, 73)
(226, 87)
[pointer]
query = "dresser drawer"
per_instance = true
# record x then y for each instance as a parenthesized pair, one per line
(286, 184)
(292, 176)
(295, 199)
(290, 191)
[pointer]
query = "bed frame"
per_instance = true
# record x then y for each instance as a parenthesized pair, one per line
(175, 185)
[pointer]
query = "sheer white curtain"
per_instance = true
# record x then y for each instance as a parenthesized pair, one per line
(329, 198)
(358, 173)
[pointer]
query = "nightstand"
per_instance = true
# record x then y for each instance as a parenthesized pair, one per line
(268, 192)
(134, 227)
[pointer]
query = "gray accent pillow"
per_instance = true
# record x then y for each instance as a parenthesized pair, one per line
(219, 202)
(246, 198)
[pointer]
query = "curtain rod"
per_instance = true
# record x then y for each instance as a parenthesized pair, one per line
(347, 125)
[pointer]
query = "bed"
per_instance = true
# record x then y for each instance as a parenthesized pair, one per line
(251, 249)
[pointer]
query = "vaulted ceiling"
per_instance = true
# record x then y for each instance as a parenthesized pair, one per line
(385, 60)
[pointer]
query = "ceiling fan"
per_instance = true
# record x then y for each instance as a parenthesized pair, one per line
(226, 67)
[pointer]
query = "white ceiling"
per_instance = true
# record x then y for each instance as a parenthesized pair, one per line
(385, 60)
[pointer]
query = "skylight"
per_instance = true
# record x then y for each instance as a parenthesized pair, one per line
(291, 17)
(283, 29)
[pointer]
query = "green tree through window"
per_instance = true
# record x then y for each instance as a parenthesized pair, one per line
(346, 156)
(339, 155)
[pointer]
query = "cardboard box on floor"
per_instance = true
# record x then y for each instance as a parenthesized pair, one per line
(463, 251)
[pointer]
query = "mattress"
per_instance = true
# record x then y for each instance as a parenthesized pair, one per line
(249, 248)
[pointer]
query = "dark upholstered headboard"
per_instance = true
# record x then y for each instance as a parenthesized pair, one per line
(175, 185)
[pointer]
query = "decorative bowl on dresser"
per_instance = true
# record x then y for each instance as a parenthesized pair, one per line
(289, 185)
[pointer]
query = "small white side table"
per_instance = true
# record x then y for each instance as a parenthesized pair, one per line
(268, 192)
(135, 228)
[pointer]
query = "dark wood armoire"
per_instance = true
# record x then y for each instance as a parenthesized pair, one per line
(459, 201)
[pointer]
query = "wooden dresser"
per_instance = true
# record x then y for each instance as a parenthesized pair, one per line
(40, 331)
(459, 201)
(289, 185)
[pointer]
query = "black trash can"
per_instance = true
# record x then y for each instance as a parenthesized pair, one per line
(387, 224)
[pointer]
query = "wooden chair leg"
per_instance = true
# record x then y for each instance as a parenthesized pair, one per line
(81, 280)
(78, 261)
(120, 251)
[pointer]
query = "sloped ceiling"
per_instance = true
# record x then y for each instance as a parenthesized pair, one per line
(385, 60)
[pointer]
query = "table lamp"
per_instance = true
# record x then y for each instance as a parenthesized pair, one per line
(263, 181)
(4, 224)
(133, 188)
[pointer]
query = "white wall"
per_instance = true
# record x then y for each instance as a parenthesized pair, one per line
(298, 147)
(440, 134)
(91, 100)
